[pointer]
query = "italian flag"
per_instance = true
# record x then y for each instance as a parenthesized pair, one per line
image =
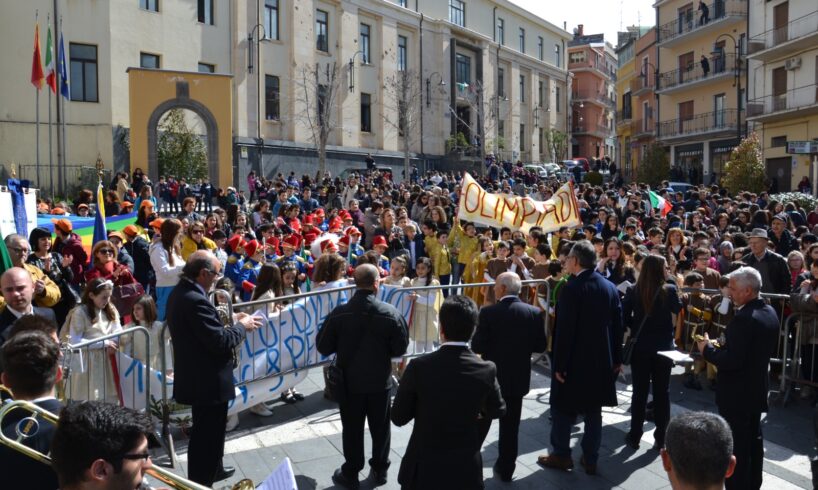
(50, 68)
(658, 202)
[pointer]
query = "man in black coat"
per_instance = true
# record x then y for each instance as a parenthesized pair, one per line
(448, 393)
(139, 250)
(364, 334)
(18, 290)
(413, 243)
(507, 334)
(587, 358)
(203, 364)
(775, 273)
(31, 360)
(743, 374)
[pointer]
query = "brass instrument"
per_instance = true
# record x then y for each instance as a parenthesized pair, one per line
(223, 302)
(5, 393)
(162, 475)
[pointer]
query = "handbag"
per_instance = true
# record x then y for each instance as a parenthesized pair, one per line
(125, 296)
(334, 376)
(630, 345)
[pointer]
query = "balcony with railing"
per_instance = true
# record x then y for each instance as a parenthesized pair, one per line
(801, 101)
(719, 13)
(707, 124)
(601, 98)
(590, 64)
(642, 84)
(775, 43)
(644, 128)
(624, 119)
(592, 129)
(719, 67)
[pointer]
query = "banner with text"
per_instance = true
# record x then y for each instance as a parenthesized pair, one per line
(516, 212)
(287, 342)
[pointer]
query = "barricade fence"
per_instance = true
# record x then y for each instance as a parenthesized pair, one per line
(800, 338)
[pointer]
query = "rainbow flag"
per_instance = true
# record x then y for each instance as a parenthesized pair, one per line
(84, 227)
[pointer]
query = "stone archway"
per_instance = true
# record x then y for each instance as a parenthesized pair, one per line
(152, 93)
(183, 101)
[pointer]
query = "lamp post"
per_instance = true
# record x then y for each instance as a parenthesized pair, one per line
(260, 33)
(441, 83)
(737, 77)
(352, 70)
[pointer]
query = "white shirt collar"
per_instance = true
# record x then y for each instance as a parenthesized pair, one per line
(508, 296)
(18, 314)
(455, 344)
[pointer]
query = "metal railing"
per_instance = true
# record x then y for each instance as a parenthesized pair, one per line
(724, 64)
(801, 340)
(796, 28)
(598, 66)
(709, 122)
(642, 84)
(602, 97)
(596, 129)
(793, 99)
(692, 20)
(643, 127)
(77, 177)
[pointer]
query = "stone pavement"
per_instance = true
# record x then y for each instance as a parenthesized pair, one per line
(309, 433)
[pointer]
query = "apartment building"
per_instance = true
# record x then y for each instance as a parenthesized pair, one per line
(783, 92)
(455, 50)
(592, 62)
(700, 84)
(643, 98)
(626, 73)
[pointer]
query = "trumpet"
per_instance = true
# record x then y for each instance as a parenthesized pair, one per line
(223, 302)
(28, 427)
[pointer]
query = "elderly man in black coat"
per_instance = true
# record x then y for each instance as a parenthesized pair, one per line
(507, 334)
(587, 358)
(743, 374)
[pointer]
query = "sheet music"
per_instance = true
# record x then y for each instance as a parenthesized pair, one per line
(282, 478)
(676, 356)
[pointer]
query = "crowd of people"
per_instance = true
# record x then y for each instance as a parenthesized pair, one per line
(672, 280)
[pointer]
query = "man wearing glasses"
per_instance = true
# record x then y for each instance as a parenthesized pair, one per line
(46, 291)
(203, 363)
(99, 445)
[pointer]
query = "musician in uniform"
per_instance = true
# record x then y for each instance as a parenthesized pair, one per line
(252, 266)
(354, 235)
(235, 261)
(495, 267)
(289, 246)
(203, 359)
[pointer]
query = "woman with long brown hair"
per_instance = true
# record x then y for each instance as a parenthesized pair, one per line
(166, 261)
(647, 311)
(612, 264)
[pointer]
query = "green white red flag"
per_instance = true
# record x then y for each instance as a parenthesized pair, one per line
(50, 66)
(660, 203)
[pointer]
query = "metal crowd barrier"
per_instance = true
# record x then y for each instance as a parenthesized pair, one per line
(419, 344)
(90, 375)
(802, 330)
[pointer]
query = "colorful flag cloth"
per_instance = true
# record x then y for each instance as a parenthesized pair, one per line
(5, 258)
(37, 77)
(100, 233)
(660, 203)
(50, 68)
(63, 68)
(84, 226)
(18, 205)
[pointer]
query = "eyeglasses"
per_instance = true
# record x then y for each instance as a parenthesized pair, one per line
(136, 457)
(196, 232)
(106, 251)
(19, 250)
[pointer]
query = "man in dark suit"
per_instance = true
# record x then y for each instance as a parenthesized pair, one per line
(507, 334)
(448, 393)
(31, 360)
(743, 379)
(364, 334)
(18, 290)
(203, 364)
(587, 358)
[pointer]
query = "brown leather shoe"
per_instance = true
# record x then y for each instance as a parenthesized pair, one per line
(556, 462)
(590, 469)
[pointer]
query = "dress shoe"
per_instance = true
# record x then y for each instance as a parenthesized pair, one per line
(232, 422)
(340, 479)
(224, 473)
(378, 477)
(261, 410)
(500, 475)
(631, 442)
(287, 397)
(556, 462)
(590, 469)
(297, 395)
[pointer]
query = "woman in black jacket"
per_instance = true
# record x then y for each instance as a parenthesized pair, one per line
(657, 298)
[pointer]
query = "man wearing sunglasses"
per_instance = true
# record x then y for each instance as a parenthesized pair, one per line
(99, 445)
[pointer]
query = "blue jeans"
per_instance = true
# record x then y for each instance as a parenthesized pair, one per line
(162, 295)
(561, 425)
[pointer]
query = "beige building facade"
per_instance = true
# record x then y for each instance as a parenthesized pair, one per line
(455, 50)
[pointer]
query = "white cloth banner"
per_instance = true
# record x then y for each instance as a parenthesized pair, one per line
(287, 342)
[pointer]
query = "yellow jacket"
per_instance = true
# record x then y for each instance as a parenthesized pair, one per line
(189, 246)
(468, 244)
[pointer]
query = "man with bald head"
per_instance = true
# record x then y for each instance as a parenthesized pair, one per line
(18, 288)
(364, 334)
(46, 291)
(507, 334)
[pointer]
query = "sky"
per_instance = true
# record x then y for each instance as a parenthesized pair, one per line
(606, 16)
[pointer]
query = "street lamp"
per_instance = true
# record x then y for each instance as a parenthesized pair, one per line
(260, 34)
(250, 45)
(442, 83)
(737, 75)
(352, 70)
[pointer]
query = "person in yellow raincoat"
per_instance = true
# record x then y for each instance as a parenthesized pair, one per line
(474, 272)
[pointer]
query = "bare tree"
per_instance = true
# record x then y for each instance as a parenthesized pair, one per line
(486, 109)
(403, 97)
(317, 90)
(556, 144)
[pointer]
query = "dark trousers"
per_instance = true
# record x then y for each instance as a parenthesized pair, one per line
(206, 447)
(647, 368)
(748, 448)
(509, 432)
(445, 280)
(561, 424)
(374, 407)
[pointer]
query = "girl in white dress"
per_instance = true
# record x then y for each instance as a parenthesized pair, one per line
(94, 317)
(423, 330)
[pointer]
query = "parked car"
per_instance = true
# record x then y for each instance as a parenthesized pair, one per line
(570, 164)
(537, 169)
(347, 172)
(551, 168)
(585, 164)
(682, 187)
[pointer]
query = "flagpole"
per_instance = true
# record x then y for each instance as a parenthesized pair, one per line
(63, 169)
(37, 109)
(50, 131)
(57, 34)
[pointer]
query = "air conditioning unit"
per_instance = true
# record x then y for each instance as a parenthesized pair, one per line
(793, 64)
